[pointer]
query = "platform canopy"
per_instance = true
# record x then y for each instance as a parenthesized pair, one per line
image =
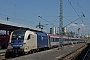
(7, 25)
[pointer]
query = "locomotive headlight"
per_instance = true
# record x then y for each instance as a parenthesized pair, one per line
(26, 48)
(22, 47)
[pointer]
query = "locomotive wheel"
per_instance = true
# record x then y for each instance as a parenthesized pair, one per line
(33, 51)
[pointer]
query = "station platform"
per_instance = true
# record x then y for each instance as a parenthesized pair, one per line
(2, 51)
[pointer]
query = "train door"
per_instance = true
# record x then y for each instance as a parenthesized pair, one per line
(49, 42)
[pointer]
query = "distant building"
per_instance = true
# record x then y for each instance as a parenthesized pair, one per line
(65, 29)
(53, 30)
(87, 36)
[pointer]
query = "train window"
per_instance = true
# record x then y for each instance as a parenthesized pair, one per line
(71, 40)
(66, 39)
(57, 39)
(28, 37)
(17, 37)
(51, 39)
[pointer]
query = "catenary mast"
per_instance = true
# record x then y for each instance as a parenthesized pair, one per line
(61, 25)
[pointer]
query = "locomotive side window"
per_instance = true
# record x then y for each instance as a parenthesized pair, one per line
(50, 39)
(28, 37)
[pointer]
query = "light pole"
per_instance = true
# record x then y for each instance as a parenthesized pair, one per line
(88, 37)
(7, 35)
(78, 32)
(68, 38)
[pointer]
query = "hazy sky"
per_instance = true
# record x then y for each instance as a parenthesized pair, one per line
(27, 11)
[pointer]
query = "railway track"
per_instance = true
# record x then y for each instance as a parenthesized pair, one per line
(84, 54)
(74, 55)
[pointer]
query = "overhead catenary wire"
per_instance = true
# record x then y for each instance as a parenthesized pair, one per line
(55, 20)
(82, 12)
(45, 20)
(49, 21)
(27, 11)
(31, 13)
(81, 6)
(67, 19)
(24, 20)
(20, 7)
(14, 18)
(75, 10)
(15, 12)
(75, 20)
(73, 7)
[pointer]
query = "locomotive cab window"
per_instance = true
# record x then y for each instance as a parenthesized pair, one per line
(18, 35)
